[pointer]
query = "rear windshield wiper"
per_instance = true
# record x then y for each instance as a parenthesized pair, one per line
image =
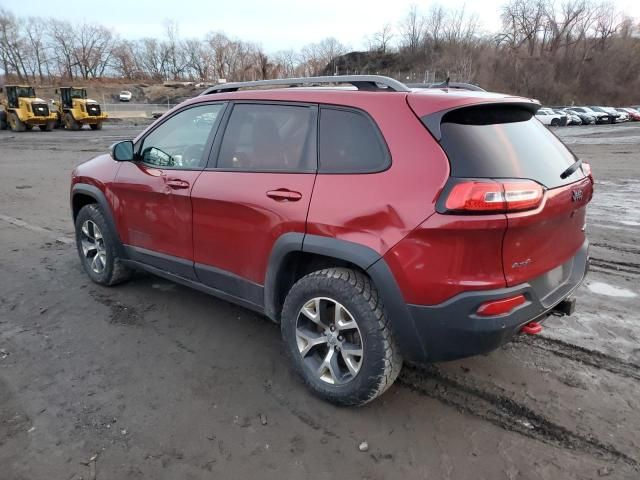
(571, 170)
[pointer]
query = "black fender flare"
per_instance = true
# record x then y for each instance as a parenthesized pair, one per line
(367, 259)
(100, 198)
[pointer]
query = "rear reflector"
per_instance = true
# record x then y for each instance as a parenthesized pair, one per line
(489, 196)
(500, 307)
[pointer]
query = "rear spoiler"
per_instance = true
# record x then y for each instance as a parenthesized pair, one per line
(433, 120)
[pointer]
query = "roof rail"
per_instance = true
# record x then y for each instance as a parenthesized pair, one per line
(370, 83)
(455, 85)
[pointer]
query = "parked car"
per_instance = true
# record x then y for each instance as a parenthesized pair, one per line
(572, 118)
(613, 117)
(375, 225)
(600, 116)
(621, 117)
(550, 118)
(125, 96)
(634, 115)
(586, 118)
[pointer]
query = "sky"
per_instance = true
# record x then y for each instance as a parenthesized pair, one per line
(274, 24)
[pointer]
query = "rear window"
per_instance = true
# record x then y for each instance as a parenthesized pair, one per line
(504, 142)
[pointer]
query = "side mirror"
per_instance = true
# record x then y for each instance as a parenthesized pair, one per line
(122, 151)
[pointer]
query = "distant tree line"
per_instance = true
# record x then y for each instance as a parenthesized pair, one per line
(559, 52)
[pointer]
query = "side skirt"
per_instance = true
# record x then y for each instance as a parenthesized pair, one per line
(195, 285)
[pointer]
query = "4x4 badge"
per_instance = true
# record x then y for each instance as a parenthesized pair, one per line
(576, 195)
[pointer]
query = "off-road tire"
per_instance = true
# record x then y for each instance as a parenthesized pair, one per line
(95, 126)
(70, 123)
(15, 123)
(28, 127)
(381, 360)
(3, 120)
(115, 271)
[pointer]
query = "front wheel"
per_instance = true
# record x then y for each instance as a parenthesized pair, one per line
(15, 123)
(555, 122)
(70, 123)
(335, 331)
(95, 126)
(97, 247)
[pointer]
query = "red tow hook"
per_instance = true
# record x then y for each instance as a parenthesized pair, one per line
(531, 328)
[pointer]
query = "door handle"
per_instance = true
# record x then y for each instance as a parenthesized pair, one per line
(177, 184)
(284, 195)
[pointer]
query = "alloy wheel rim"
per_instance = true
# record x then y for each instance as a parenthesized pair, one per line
(329, 341)
(92, 244)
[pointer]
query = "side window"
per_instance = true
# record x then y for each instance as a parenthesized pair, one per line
(179, 142)
(350, 143)
(265, 137)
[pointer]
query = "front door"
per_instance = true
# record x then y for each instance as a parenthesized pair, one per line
(258, 189)
(154, 191)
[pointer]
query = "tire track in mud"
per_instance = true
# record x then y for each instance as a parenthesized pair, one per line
(492, 404)
(582, 355)
(617, 248)
(614, 266)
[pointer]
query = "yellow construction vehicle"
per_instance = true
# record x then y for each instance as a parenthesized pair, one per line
(23, 110)
(76, 110)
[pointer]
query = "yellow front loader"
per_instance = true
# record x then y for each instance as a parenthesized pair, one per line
(23, 110)
(76, 110)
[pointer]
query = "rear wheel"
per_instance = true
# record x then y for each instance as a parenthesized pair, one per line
(96, 126)
(70, 122)
(97, 247)
(336, 333)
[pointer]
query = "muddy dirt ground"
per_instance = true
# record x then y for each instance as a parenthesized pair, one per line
(150, 380)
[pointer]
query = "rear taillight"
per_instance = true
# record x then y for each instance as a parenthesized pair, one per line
(586, 169)
(491, 196)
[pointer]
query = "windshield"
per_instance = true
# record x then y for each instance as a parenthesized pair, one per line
(25, 92)
(504, 142)
(78, 93)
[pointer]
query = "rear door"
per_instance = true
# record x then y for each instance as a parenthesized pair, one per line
(503, 142)
(257, 186)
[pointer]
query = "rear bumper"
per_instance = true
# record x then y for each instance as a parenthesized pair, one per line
(39, 120)
(452, 330)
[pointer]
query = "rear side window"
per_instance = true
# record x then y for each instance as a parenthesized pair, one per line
(266, 137)
(504, 142)
(350, 143)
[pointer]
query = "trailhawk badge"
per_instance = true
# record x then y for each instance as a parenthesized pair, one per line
(576, 195)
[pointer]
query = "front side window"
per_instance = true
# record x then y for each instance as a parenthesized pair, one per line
(267, 137)
(350, 143)
(180, 141)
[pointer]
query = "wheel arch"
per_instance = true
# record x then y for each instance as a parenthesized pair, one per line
(296, 254)
(84, 194)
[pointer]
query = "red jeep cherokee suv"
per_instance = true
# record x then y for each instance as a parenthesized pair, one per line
(376, 224)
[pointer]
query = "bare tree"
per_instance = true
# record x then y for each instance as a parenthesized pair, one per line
(380, 40)
(411, 30)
